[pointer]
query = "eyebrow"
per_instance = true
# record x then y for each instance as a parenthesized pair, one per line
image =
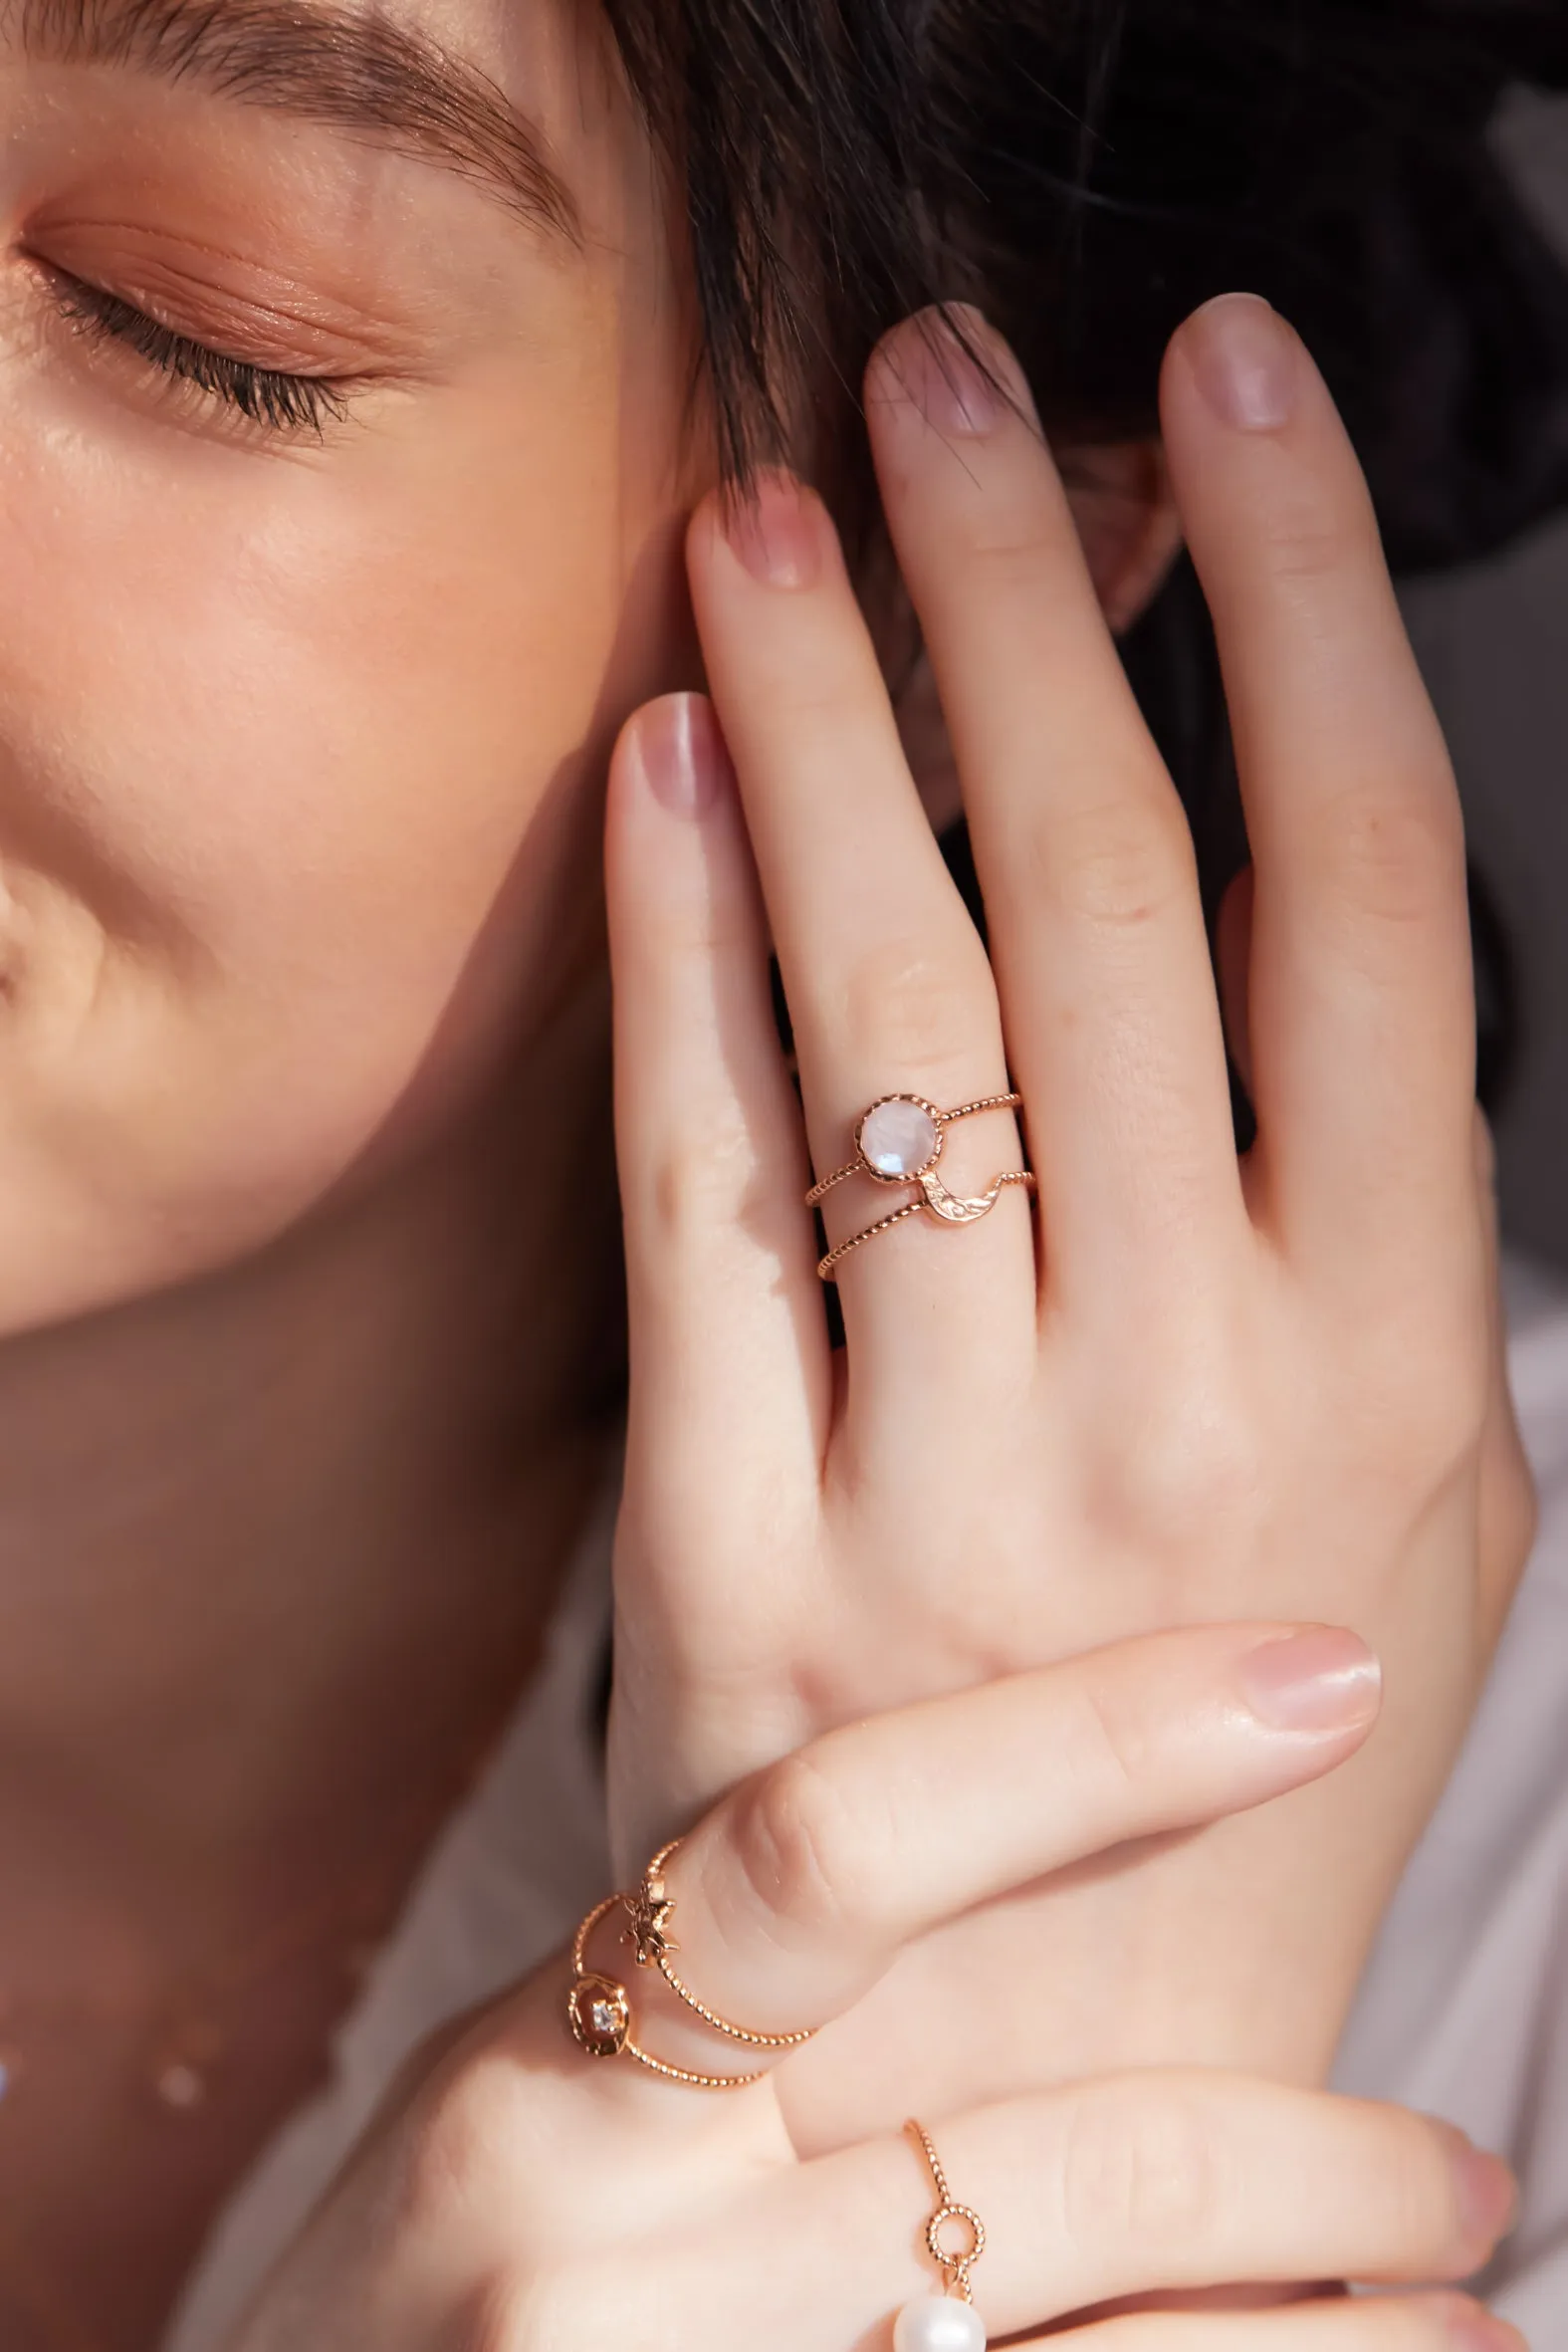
(323, 63)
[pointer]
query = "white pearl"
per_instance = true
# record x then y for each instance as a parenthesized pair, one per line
(938, 2323)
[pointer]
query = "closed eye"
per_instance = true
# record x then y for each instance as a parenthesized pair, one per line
(266, 397)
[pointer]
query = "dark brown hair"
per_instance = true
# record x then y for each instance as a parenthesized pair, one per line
(1088, 171)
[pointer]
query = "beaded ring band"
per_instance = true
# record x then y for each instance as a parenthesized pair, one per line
(949, 2321)
(899, 1140)
(598, 2007)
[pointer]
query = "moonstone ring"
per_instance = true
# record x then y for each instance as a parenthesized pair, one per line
(899, 1141)
(949, 2321)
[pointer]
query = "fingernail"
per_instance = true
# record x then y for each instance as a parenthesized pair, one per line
(1323, 1679)
(954, 388)
(1476, 2330)
(927, 367)
(682, 753)
(776, 530)
(1246, 360)
(1489, 2196)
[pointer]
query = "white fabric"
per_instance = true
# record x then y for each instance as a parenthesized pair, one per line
(1463, 2011)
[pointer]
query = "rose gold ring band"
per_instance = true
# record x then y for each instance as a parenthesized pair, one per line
(899, 1140)
(598, 2007)
(928, 2320)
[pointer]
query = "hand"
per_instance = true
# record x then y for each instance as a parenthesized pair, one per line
(1214, 1388)
(517, 2196)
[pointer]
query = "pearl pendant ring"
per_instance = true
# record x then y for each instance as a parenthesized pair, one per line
(947, 2322)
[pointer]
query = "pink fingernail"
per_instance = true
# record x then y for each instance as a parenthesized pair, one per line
(930, 367)
(682, 753)
(1323, 1679)
(1489, 2196)
(776, 529)
(1476, 2330)
(1246, 360)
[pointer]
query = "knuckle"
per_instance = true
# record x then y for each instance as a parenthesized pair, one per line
(1304, 541)
(461, 2131)
(1142, 2166)
(1425, 1402)
(1511, 1506)
(554, 2310)
(1436, 1432)
(1391, 851)
(1194, 1479)
(1418, 2182)
(910, 1009)
(1116, 863)
(796, 1846)
(502, 2317)
(678, 934)
(700, 1183)
(1112, 1741)
(1015, 550)
(815, 706)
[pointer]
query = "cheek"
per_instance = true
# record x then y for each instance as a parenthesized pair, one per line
(401, 676)
(297, 773)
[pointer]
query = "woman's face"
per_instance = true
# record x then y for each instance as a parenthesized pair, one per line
(293, 728)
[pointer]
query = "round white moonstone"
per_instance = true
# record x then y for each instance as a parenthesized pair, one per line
(898, 1137)
(938, 2323)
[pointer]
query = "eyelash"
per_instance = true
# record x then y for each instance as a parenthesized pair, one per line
(280, 403)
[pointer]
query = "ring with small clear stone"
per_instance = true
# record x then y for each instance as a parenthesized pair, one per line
(899, 1140)
(949, 2321)
(598, 2007)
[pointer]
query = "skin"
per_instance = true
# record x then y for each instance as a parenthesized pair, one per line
(304, 997)
(513, 2195)
(1217, 1382)
(474, 578)
(299, 828)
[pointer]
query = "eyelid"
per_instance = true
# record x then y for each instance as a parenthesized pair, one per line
(119, 258)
